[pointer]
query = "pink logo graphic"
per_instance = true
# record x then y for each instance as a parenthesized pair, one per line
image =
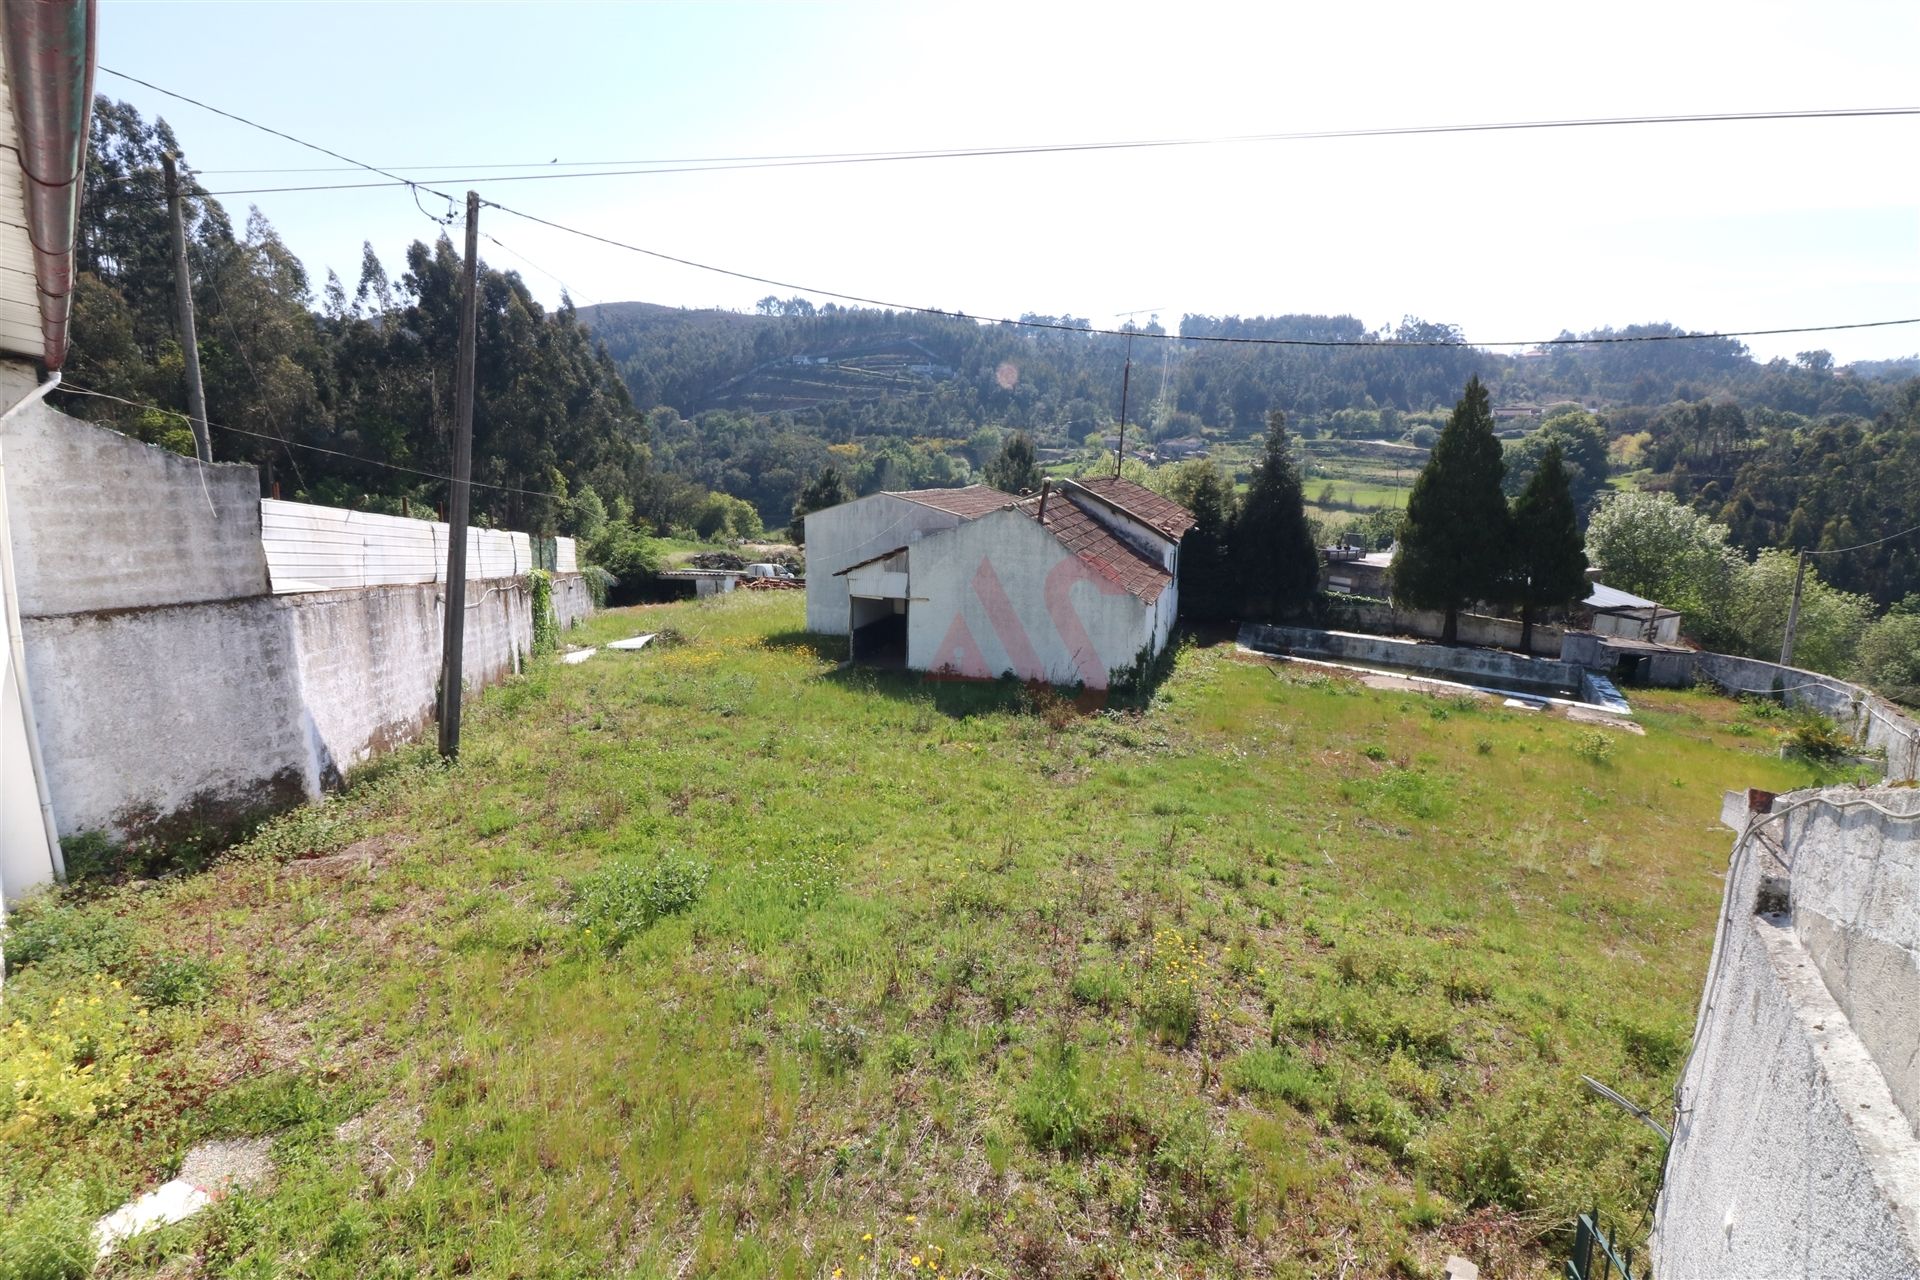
(960, 655)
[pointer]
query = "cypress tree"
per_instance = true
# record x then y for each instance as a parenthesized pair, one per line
(1549, 553)
(1454, 542)
(825, 490)
(1013, 469)
(1272, 545)
(1207, 571)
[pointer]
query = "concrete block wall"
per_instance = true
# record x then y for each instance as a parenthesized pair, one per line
(172, 691)
(1464, 664)
(572, 602)
(1498, 633)
(103, 521)
(156, 721)
(1794, 1150)
(1875, 721)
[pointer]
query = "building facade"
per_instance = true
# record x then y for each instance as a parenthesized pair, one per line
(1075, 586)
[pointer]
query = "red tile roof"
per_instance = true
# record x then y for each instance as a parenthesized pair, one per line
(1142, 503)
(970, 503)
(1081, 532)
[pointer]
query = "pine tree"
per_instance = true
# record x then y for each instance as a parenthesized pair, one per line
(1013, 469)
(1549, 553)
(825, 490)
(1279, 567)
(1454, 542)
(1208, 588)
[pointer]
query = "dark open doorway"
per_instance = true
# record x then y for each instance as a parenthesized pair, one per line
(879, 632)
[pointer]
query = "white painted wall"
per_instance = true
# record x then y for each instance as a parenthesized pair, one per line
(855, 531)
(1001, 594)
(1793, 1152)
(27, 853)
(312, 548)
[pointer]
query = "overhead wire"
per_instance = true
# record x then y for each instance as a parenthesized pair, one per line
(1025, 323)
(337, 453)
(1298, 135)
(1862, 546)
(417, 187)
(555, 170)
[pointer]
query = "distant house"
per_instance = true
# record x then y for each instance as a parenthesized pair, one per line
(1069, 586)
(1621, 613)
(1355, 571)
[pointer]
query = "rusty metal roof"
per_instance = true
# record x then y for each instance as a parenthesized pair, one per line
(1163, 515)
(970, 503)
(1080, 531)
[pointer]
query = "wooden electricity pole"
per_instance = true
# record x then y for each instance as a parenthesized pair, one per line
(1126, 376)
(455, 634)
(183, 296)
(1793, 613)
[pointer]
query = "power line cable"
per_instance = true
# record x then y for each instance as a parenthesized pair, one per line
(337, 453)
(1864, 545)
(554, 170)
(255, 124)
(418, 187)
(1374, 344)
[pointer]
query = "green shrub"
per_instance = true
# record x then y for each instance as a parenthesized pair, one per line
(1101, 985)
(1277, 1073)
(45, 1233)
(1594, 746)
(67, 1058)
(1814, 737)
(1170, 993)
(1053, 1109)
(626, 898)
(176, 980)
(546, 627)
(59, 933)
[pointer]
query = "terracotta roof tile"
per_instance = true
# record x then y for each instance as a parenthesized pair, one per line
(970, 503)
(1142, 503)
(1081, 532)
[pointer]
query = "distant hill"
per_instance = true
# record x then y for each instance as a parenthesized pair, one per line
(846, 372)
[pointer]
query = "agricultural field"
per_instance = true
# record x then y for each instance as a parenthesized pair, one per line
(717, 959)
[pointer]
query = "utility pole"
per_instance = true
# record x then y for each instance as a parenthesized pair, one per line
(183, 295)
(1126, 375)
(455, 633)
(1793, 612)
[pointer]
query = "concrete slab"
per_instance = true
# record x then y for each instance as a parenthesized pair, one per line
(633, 642)
(577, 656)
(210, 1171)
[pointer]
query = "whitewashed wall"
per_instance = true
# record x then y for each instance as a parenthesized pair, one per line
(849, 533)
(1000, 594)
(312, 548)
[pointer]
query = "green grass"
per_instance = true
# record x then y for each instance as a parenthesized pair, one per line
(713, 960)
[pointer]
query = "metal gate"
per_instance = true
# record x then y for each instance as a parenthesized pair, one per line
(1596, 1255)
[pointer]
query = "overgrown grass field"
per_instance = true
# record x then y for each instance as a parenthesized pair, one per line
(718, 960)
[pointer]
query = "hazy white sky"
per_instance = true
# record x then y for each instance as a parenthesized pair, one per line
(1513, 236)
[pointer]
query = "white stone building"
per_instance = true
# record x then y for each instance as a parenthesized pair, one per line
(1074, 586)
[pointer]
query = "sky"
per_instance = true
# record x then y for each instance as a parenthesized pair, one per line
(1513, 236)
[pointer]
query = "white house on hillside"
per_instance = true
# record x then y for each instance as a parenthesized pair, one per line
(1071, 586)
